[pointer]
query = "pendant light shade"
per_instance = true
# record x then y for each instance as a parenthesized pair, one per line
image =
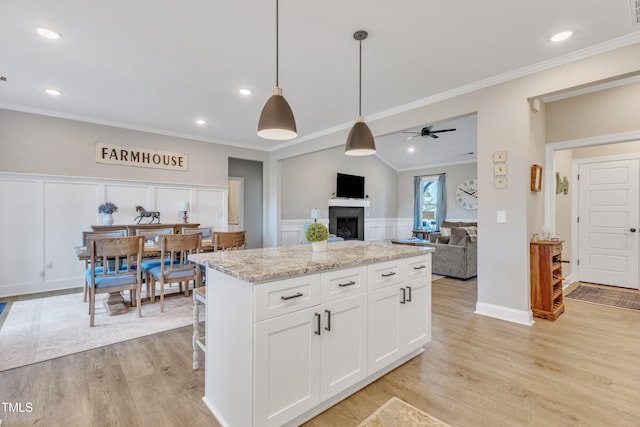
(360, 140)
(276, 120)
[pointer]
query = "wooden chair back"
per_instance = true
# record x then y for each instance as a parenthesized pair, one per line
(150, 234)
(90, 234)
(124, 252)
(205, 232)
(230, 240)
(178, 247)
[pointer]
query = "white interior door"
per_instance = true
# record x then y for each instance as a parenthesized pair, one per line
(236, 203)
(608, 223)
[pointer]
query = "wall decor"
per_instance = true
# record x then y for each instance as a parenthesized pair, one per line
(140, 157)
(500, 182)
(500, 169)
(536, 178)
(499, 156)
(142, 213)
(467, 194)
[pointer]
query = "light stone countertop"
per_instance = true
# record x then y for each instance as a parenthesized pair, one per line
(270, 264)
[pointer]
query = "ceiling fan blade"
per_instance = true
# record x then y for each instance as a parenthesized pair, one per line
(433, 136)
(411, 137)
(442, 130)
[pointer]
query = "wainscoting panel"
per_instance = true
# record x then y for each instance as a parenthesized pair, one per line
(44, 217)
(21, 229)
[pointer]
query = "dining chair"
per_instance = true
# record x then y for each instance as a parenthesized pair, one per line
(175, 265)
(86, 235)
(153, 233)
(205, 232)
(124, 253)
(229, 240)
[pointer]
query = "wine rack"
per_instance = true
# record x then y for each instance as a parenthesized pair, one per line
(546, 278)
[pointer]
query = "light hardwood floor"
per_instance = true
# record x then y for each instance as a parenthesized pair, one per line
(581, 370)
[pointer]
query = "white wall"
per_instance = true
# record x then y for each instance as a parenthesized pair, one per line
(504, 123)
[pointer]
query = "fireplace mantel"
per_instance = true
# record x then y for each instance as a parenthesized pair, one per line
(350, 203)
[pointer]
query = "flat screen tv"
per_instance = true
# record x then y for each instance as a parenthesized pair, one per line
(350, 186)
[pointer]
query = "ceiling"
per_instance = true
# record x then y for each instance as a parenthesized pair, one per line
(158, 65)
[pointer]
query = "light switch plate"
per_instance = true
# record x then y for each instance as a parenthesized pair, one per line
(499, 156)
(500, 169)
(500, 182)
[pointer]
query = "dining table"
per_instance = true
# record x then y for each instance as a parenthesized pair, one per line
(115, 301)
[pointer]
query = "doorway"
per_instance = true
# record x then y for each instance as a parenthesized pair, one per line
(608, 218)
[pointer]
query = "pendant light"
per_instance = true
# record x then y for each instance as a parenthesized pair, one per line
(276, 120)
(360, 140)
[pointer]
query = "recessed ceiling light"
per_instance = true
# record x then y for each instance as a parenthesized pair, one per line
(53, 92)
(561, 36)
(411, 149)
(201, 122)
(48, 34)
(245, 92)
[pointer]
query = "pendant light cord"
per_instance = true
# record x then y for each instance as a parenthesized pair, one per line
(360, 83)
(277, 45)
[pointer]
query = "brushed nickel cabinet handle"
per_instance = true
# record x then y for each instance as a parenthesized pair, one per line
(298, 295)
(350, 283)
(317, 331)
(328, 327)
(420, 267)
(409, 299)
(392, 273)
(404, 296)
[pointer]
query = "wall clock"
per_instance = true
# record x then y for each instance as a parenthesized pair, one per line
(467, 194)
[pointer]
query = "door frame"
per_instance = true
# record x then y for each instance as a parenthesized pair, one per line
(549, 191)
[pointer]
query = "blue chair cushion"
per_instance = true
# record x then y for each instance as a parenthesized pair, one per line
(106, 281)
(148, 265)
(174, 275)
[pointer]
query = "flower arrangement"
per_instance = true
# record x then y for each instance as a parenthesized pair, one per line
(107, 208)
(317, 232)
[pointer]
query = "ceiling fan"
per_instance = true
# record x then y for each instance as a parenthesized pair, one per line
(426, 131)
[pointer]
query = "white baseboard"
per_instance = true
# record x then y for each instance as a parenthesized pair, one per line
(522, 317)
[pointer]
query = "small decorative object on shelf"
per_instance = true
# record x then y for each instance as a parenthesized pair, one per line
(142, 213)
(107, 208)
(318, 234)
(536, 178)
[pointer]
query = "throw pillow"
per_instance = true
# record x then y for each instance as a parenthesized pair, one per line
(458, 237)
(445, 231)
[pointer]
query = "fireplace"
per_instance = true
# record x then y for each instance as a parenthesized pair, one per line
(347, 222)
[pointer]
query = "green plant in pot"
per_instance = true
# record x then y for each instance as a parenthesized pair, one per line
(318, 234)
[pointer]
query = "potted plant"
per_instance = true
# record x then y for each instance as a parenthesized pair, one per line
(318, 234)
(107, 208)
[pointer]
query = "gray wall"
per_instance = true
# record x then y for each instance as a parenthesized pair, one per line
(455, 175)
(251, 171)
(307, 182)
(31, 143)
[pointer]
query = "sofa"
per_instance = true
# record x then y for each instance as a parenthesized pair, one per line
(456, 250)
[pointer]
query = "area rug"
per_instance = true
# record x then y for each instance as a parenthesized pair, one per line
(45, 328)
(398, 413)
(629, 300)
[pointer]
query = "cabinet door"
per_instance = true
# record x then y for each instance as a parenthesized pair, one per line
(415, 315)
(287, 367)
(384, 327)
(343, 360)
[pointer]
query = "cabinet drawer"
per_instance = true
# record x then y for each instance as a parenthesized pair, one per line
(286, 296)
(418, 267)
(384, 274)
(343, 283)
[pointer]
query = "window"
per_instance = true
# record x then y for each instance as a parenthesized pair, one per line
(429, 202)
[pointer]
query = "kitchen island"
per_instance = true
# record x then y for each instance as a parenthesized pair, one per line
(291, 332)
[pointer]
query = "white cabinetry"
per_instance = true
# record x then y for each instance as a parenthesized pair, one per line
(286, 350)
(399, 312)
(312, 354)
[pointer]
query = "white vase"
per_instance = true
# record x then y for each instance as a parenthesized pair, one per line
(107, 219)
(319, 246)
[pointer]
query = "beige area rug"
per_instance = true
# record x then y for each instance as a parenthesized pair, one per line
(46, 328)
(627, 299)
(398, 413)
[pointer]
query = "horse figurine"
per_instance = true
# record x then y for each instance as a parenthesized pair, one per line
(146, 214)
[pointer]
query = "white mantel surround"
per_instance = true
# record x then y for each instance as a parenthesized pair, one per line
(351, 203)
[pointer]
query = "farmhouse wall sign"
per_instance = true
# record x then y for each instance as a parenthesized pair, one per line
(140, 157)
